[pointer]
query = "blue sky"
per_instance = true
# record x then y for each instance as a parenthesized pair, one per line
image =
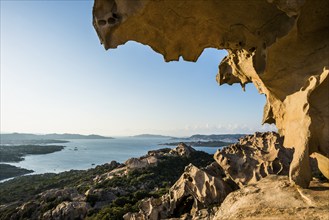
(56, 77)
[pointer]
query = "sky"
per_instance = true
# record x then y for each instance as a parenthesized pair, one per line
(56, 77)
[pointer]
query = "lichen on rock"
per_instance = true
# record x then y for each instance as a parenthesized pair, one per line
(282, 47)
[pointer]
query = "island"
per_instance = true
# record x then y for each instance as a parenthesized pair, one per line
(200, 143)
(151, 136)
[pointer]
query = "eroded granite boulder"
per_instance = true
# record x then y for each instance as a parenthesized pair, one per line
(275, 198)
(182, 150)
(255, 157)
(193, 192)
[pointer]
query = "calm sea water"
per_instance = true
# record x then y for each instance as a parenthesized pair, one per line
(85, 154)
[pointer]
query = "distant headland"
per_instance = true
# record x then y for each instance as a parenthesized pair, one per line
(151, 136)
(27, 138)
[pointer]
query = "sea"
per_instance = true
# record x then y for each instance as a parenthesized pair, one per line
(82, 154)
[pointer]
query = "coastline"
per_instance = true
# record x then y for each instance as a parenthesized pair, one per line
(10, 155)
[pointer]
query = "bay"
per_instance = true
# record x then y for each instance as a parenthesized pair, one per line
(82, 154)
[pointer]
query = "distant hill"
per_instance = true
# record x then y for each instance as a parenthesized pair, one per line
(230, 138)
(75, 136)
(25, 137)
(151, 136)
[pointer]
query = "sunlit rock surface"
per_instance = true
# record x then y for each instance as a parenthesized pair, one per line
(193, 192)
(281, 46)
(255, 157)
(274, 198)
(248, 181)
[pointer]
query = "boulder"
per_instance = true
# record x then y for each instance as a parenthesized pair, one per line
(254, 157)
(193, 191)
(54, 204)
(160, 152)
(99, 197)
(142, 162)
(69, 210)
(275, 198)
(182, 150)
(197, 189)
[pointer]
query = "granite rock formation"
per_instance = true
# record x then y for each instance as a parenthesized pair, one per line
(193, 192)
(282, 201)
(67, 204)
(237, 166)
(182, 150)
(281, 46)
(255, 157)
(152, 157)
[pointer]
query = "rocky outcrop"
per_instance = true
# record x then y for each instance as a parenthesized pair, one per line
(100, 197)
(61, 204)
(198, 190)
(275, 198)
(138, 163)
(194, 191)
(68, 210)
(151, 159)
(282, 47)
(255, 157)
(182, 150)
(253, 184)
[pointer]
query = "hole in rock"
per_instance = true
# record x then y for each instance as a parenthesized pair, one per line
(111, 20)
(183, 206)
(101, 22)
(252, 49)
(115, 15)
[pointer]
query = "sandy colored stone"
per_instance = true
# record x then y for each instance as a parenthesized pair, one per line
(193, 191)
(275, 198)
(182, 150)
(281, 46)
(69, 210)
(255, 157)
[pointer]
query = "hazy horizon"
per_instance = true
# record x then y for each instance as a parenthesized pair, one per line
(138, 134)
(57, 78)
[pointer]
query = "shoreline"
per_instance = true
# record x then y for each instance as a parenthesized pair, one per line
(13, 154)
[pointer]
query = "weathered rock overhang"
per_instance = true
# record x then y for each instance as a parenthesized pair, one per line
(281, 46)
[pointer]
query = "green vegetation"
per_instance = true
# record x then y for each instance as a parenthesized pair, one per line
(128, 190)
(16, 153)
(8, 171)
(25, 187)
(148, 182)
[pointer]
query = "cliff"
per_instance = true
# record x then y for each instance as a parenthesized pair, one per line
(281, 46)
